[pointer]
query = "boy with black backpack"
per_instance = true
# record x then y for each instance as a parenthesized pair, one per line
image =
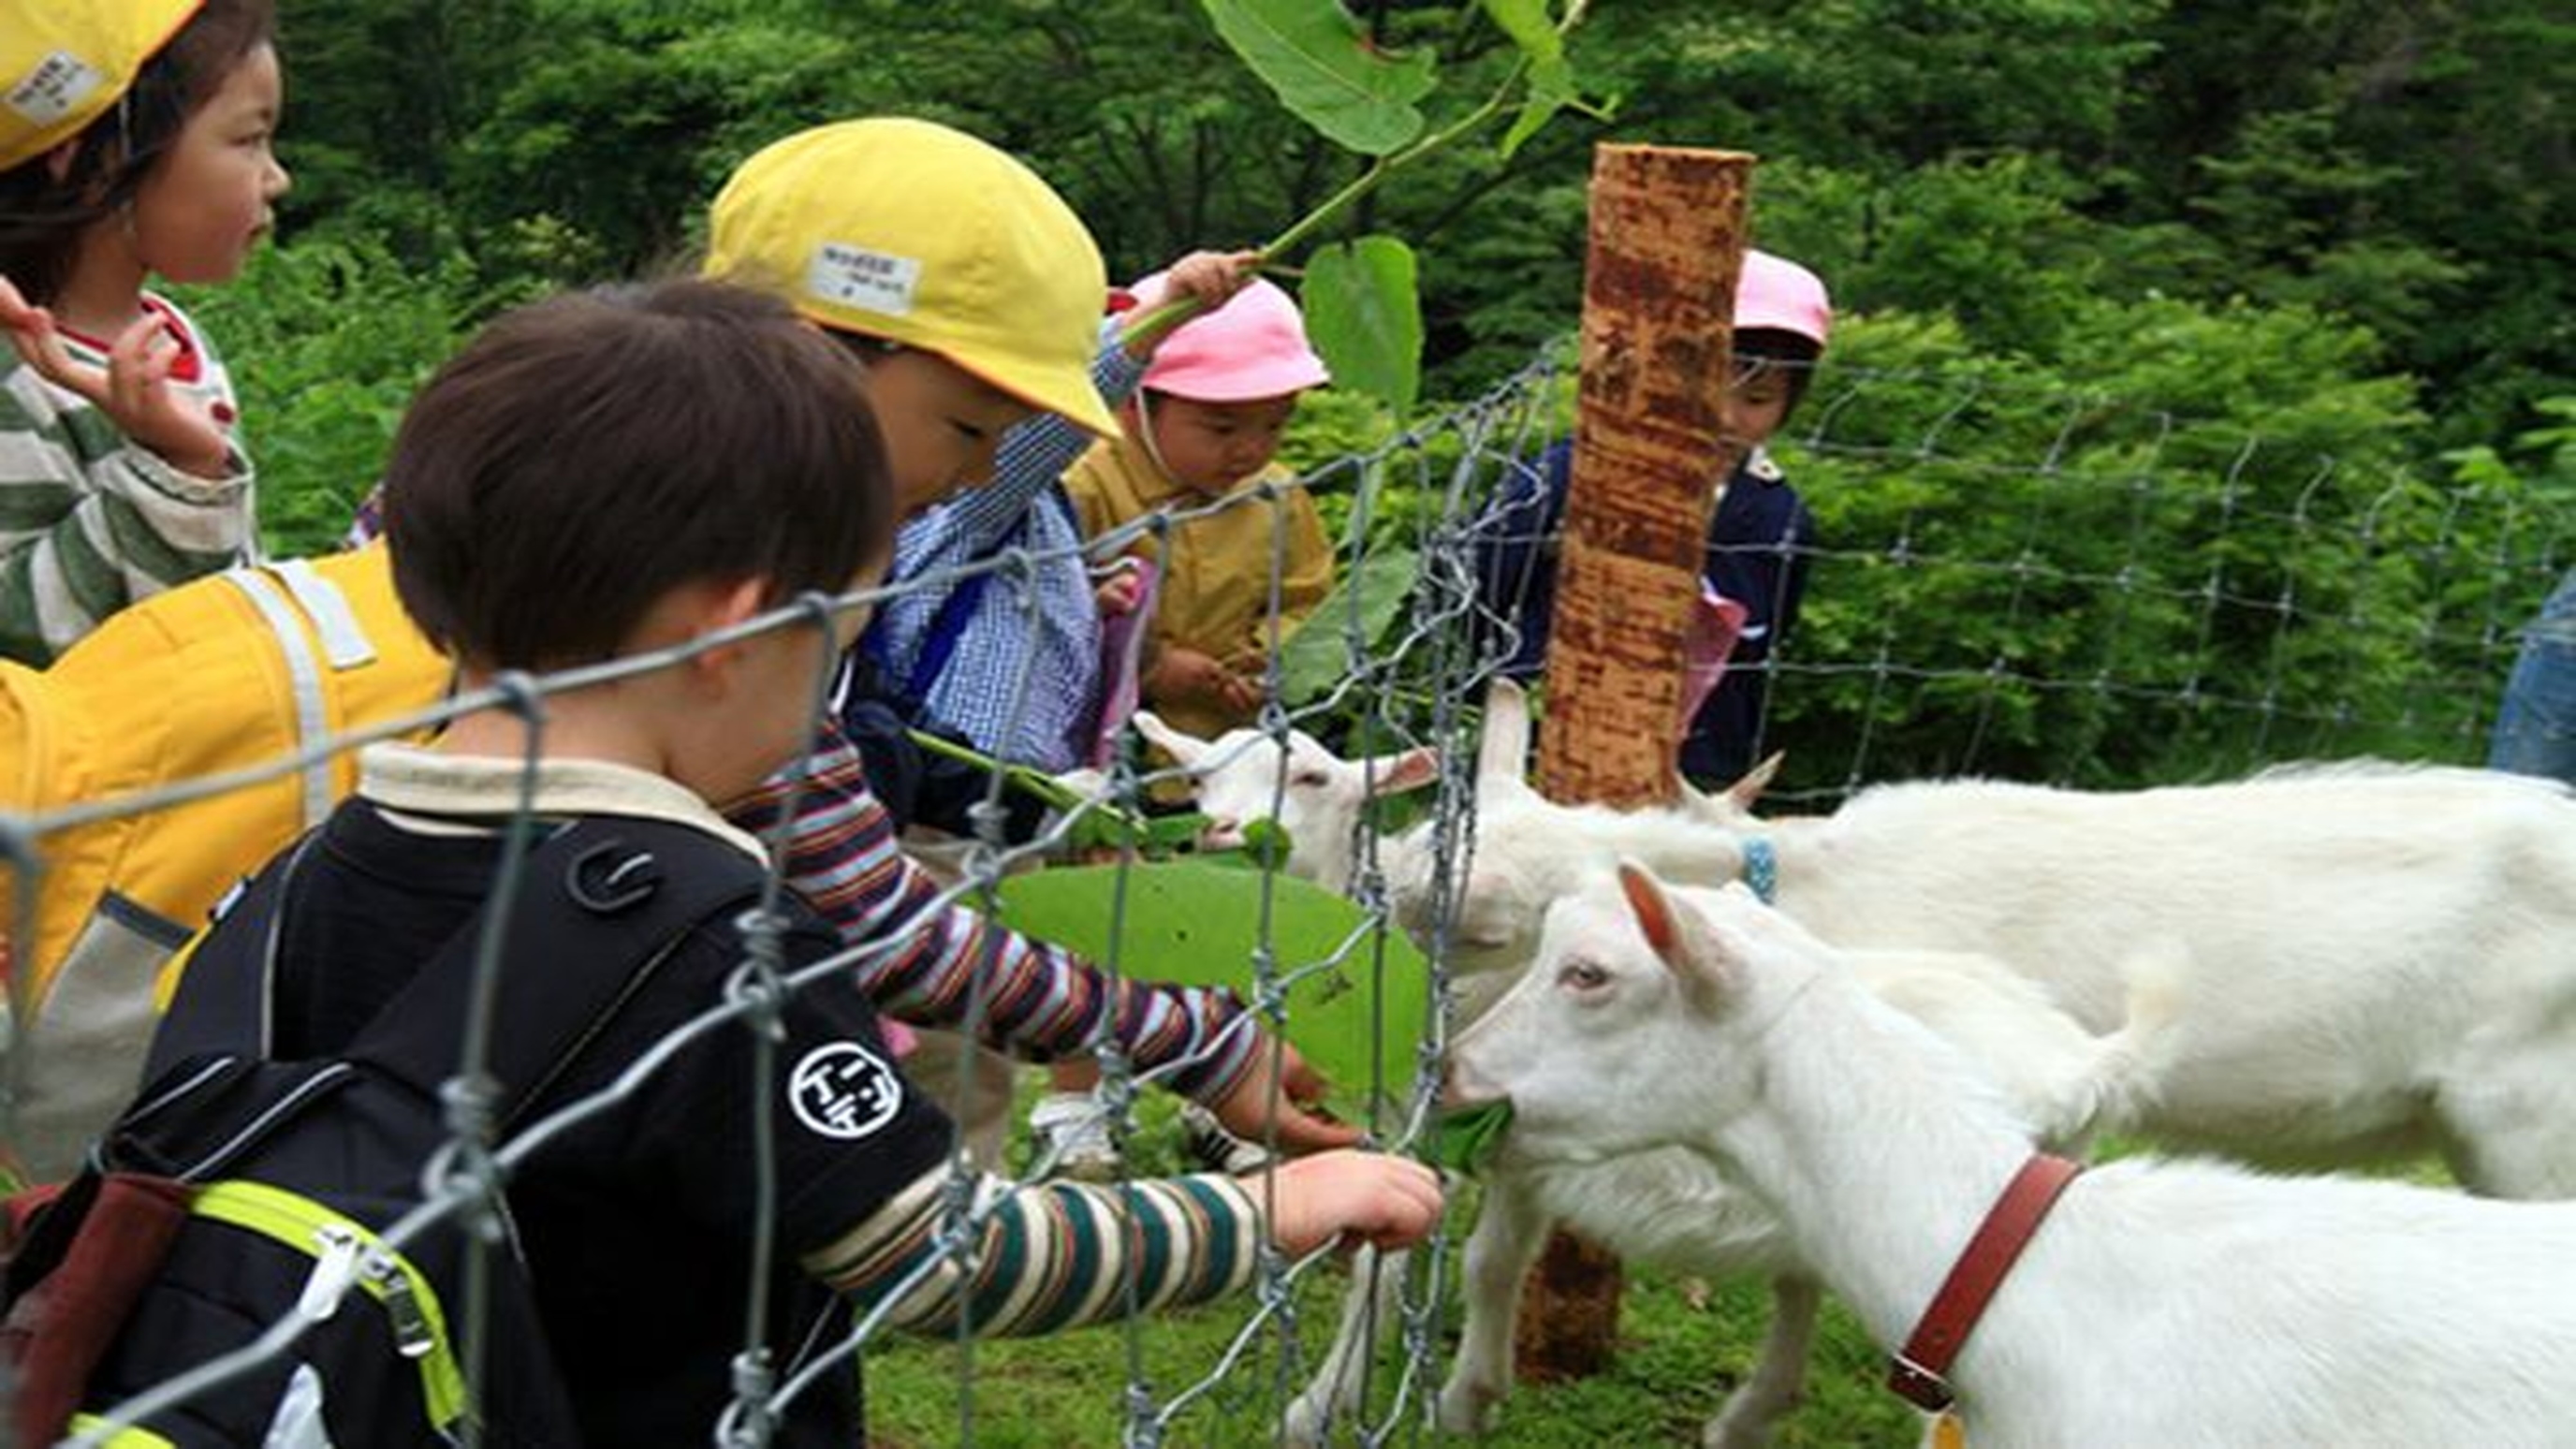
(596, 477)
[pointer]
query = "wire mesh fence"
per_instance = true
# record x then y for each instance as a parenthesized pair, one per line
(2004, 580)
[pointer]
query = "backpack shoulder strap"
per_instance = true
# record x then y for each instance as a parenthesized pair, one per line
(225, 988)
(601, 903)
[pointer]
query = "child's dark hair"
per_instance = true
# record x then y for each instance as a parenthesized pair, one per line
(1782, 351)
(43, 216)
(585, 455)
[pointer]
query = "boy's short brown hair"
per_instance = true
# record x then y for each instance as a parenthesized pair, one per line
(585, 455)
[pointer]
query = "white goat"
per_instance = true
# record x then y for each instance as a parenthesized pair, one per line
(2158, 1304)
(1661, 1209)
(1670, 1209)
(2370, 959)
(1314, 795)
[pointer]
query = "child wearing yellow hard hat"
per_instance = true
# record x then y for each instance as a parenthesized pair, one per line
(976, 295)
(134, 145)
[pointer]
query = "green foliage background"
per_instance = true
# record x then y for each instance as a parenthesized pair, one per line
(2396, 170)
(2143, 230)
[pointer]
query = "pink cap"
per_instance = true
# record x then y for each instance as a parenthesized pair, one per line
(1776, 293)
(1252, 347)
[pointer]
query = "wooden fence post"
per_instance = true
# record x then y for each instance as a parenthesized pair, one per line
(1666, 240)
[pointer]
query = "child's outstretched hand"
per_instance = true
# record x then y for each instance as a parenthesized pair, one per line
(1389, 1202)
(1281, 1086)
(133, 389)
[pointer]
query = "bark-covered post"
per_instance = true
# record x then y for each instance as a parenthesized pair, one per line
(1666, 240)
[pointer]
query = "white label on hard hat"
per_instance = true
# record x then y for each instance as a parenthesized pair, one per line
(872, 281)
(47, 94)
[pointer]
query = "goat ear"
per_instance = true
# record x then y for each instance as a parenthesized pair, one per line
(1653, 910)
(1186, 748)
(1745, 793)
(1503, 751)
(1681, 940)
(1411, 770)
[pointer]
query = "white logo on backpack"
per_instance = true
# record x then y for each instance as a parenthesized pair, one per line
(844, 1090)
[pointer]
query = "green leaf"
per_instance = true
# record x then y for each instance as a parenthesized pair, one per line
(1526, 22)
(1465, 1141)
(1317, 656)
(1197, 925)
(1364, 315)
(1266, 843)
(1323, 67)
(1551, 89)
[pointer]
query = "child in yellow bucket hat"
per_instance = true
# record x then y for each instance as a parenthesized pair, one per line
(976, 295)
(977, 288)
(134, 144)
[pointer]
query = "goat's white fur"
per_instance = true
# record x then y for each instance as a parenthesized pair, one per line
(1668, 1209)
(2373, 958)
(1663, 1209)
(2161, 1303)
(1314, 795)
(2364, 951)
(1317, 797)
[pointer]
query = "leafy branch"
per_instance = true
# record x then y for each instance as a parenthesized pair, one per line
(1363, 309)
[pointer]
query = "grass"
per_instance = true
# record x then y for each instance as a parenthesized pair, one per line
(1683, 1344)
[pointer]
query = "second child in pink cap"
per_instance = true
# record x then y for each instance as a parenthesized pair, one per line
(1206, 423)
(1760, 535)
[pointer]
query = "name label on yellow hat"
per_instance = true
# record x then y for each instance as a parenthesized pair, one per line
(48, 93)
(861, 277)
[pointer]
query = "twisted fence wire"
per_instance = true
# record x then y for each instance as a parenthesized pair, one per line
(2118, 604)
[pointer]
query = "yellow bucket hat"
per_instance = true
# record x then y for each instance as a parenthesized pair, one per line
(64, 62)
(924, 235)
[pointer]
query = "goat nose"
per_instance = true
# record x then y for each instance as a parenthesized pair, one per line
(1462, 1090)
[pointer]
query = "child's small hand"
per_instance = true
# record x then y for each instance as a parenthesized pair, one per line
(1390, 1202)
(133, 389)
(1119, 593)
(1282, 1093)
(1207, 278)
(1210, 277)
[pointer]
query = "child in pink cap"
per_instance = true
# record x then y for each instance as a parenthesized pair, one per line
(1206, 422)
(1760, 534)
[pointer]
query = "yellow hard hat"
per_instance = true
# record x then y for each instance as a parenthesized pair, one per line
(915, 232)
(64, 62)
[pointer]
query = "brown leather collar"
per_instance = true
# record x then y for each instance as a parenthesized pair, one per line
(1916, 1371)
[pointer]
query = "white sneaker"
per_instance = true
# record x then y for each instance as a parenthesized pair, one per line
(1072, 1132)
(1215, 1148)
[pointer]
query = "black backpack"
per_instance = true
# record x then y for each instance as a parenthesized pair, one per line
(263, 1186)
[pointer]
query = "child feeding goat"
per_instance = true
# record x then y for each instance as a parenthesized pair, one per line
(2156, 1303)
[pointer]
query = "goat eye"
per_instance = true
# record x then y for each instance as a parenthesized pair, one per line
(1583, 976)
(1308, 779)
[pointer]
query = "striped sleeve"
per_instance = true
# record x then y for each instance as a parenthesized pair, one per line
(90, 522)
(1048, 1256)
(1039, 1003)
